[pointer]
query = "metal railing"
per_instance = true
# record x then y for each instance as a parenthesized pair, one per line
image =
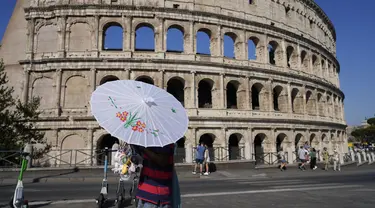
(219, 154)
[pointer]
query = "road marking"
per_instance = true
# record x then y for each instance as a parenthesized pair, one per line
(307, 185)
(275, 181)
(267, 191)
(62, 202)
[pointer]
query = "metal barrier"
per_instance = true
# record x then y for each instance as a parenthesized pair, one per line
(223, 154)
(10, 158)
(270, 158)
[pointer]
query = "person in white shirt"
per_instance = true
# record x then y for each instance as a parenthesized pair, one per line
(207, 160)
(336, 161)
(302, 153)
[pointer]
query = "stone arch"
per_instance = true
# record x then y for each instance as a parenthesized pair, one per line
(69, 144)
(298, 141)
(112, 36)
(43, 87)
(323, 64)
(315, 64)
(291, 57)
(209, 139)
(304, 61)
(280, 99)
(144, 31)
(297, 101)
(76, 92)
(253, 48)
(321, 104)
(205, 87)
(234, 95)
(180, 151)
(280, 142)
(203, 37)
(314, 142)
(310, 103)
(176, 87)
(325, 141)
(273, 51)
(258, 98)
(47, 38)
(234, 149)
(78, 37)
(175, 38)
(104, 141)
(329, 106)
(145, 79)
(230, 42)
(108, 78)
(259, 140)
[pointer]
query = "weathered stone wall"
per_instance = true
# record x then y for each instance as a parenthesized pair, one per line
(289, 94)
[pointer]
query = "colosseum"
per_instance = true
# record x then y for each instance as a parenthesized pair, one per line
(278, 90)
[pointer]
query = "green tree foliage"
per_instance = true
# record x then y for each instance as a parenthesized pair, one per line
(17, 120)
(366, 134)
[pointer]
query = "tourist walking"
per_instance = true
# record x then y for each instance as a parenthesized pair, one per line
(313, 159)
(207, 160)
(336, 161)
(302, 153)
(325, 158)
(199, 158)
(281, 156)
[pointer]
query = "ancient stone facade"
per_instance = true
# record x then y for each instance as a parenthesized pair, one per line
(286, 95)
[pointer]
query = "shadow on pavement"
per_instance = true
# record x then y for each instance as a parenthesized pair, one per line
(37, 180)
(41, 205)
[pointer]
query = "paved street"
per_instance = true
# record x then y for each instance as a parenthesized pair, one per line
(351, 187)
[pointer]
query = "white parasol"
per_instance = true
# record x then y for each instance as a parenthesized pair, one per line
(139, 113)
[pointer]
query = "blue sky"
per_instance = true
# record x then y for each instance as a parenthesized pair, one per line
(355, 28)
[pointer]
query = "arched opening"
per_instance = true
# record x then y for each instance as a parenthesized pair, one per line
(313, 142)
(144, 37)
(229, 50)
(323, 72)
(310, 103)
(208, 139)
(297, 104)
(329, 106)
(290, 57)
(205, 93)
(276, 97)
(315, 64)
(252, 45)
(258, 148)
(175, 39)
(320, 104)
(108, 78)
(272, 47)
(234, 147)
(279, 142)
(304, 61)
(103, 142)
(180, 151)
(145, 79)
(232, 89)
(255, 96)
(325, 141)
(175, 87)
(203, 45)
(298, 142)
(112, 37)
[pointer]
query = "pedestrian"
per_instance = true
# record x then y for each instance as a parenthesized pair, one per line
(207, 160)
(199, 158)
(313, 159)
(282, 160)
(325, 158)
(302, 156)
(156, 178)
(336, 161)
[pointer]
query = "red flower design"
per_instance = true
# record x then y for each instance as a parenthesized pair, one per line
(123, 119)
(139, 123)
(140, 129)
(118, 115)
(135, 128)
(125, 113)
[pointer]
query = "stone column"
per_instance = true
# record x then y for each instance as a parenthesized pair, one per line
(316, 102)
(248, 97)
(326, 109)
(289, 99)
(159, 36)
(62, 36)
(90, 132)
(58, 91)
(270, 95)
(285, 60)
(193, 90)
(97, 30)
(251, 143)
(222, 91)
(161, 84)
(304, 100)
(30, 38)
(218, 51)
(127, 73)
(224, 154)
(93, 79)
(189, 43)
(244, 47)
(26, 83)
(265, 49)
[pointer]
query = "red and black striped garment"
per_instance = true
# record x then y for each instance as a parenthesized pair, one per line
(155, 184)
